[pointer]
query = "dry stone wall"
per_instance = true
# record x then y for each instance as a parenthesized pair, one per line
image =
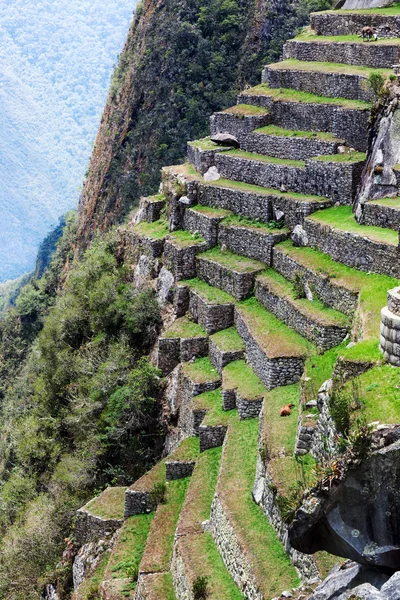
(390, 328)
(201, 159)
(220, 358)
(236, 125)
(89, 527)
(239, 285)
(212, 317)
(181, 261)
(207, 226)
(281, 146)
(253, 242)
(381, 216)
(332, 23)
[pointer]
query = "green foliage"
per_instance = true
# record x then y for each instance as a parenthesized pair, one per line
(158, 494)
(298, 286)
(200, 588)
(376, 82)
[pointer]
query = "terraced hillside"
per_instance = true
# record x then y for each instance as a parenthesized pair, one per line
(272, 296)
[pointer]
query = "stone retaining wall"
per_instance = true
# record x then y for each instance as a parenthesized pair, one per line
(236, 125)
(346, 369)
(137, 244)
(189, 420)
(248, 409)
(351, 23)
(178, 469)
(304, 438)
(344, 123)
(329, 291)
(323, 336)
(211, 436)
(238, 285)
(244, 203)
(349, 53)
(283, 146)
(272, 372)
(333, 85)
(207, 226)
(229, 399)
(354, 250)
(212, 317)
(172, 351)
(181, 261)
(137, 503)
(390, 336)
(323, 443)
(201, 159)
(182, 586)
(253, 242)
(381, 216)
(220, 358)
(150, 209)
(89, 527)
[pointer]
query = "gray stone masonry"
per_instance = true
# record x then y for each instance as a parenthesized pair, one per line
(193, 347)
(189, 420)
(178, 469)
(137, 503)
(172, 351)
(236, 125)
(333, 85)
(228, 399)
(181, 300)
(211, 436)
(323, 445)
(220, 358)
(181, 260)
(147, 588)
(182, 585)
(247, 408)
(348, 369)
(291, 147)
(354, 250)
(273, 372)
(390, 335)
(336, 180)
(323, 335)
(237, 284)
(345, 123)
(394, 301)
(328, 290)
(304, 438)
(177, 187)
(201, 159)
(212, 317)
(150, 208)
(335, 23)
(350, 53)
(381, 216)
(253, 242)
(137, 244)
(206, 225)
(89, 527)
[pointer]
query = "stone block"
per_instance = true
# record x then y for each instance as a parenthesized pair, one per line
(281, 146)
(181, 261)
(237, 284)
(178, 469)
(212, 317)
(254, 242)
(211, 436)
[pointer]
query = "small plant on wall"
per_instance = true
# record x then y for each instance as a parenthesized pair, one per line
(200, 588)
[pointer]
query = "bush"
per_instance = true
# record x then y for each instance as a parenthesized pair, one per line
(376, 82)
(158, 494)
(200, 588)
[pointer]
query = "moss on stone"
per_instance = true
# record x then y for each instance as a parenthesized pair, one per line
(155, 231)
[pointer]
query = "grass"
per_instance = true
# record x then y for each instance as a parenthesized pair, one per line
(184, 238)
(342, 218)
(314, 309)
(211, 212)
(248, 187)
(147, 481)
(197, 505)
(188, 449)
(228, 259)
(156, 230)
(273, 336)
(207, 400)
(129, 547)
(308, 35)
(210, 294)
(162, 587)
(281, 431)
(390, 202)
(201, 370)
(372, 288)
(206, 144)
(228, 340)
(351, 157)
(239, 221)
(267, 159)
(327, 67)
(290, 95)
(272, 567)
(158, 551)
(280, 131)
(386, 11)
(156, 198)
(238, 375)
(246, 110)
(318, 369)
(109, 505)
(184, 328)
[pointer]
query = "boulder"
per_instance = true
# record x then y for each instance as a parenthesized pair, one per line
(299, 236)
(225, 139)
(212, 174)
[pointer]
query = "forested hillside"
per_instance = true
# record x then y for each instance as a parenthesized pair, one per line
(56, 59)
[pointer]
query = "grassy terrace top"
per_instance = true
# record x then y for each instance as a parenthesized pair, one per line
(289, 95)
(232, 261)
(109, 505)
(239, 221)
(238, 375)
(308, 35)
(188, 449)
(268, 159)
(228, 340)
(201, 371)
(211, 212)
(275, 338)
(184, 328)
(315, 309)
(206, 144)
(147, 481)
(184, 238)
(346, 157)
(210, 294)
(326, 67)
(281, 131)
(385, 11)
(341, 218)
(155, 231)
(246, 110)
(389, 202)
(250, 188)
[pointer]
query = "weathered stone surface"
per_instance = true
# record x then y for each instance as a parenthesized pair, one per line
(332, 23)
(220, 358)
(178, 469)
(181, 260)
(236, 125)
(89, 527)
(211, 436)
(380, 215)
(237, 284)
(350, 580)
(281, 146)
(212, 317)
(253, 242)
(203, 160)
(225, 139)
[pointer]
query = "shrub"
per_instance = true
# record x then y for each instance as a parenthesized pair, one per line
(200, 588)
(158, 494)
(339, 406)
(298, 286)
(376, 82)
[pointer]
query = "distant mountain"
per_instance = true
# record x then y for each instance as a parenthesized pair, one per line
(56, 59)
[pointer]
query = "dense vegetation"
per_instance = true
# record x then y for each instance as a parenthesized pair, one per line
(80, 411)
(56, 59)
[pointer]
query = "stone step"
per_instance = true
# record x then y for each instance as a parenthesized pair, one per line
(182, 341)
(103, 514)
(230, 272)
(151, 207)
(345, 119)
(335, 176)
(239, 120)
(325, 327)
(382, 213)
(385, 21)
(275, 352)
(256, 202)
(201, 153)
(145, 238)
(208, 410)
(211, 307)
(324, 79)
(225, 347)
(336, 232)
(180, 250)
(272, 140)
(349, 50)
(181, 462)
(204, 221)
(242, 389)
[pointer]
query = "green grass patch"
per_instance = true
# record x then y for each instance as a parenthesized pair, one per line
(201, 370)
(228, 340)
(110, 503)
(162, 587)
(392, 11)
(129, 548)
(318, 369)
(158, 552)
(184, 328)
(327, 67)
(155, 231)
(210, 294)
(280, 432)
(184, 238)
(349, 157)
(281, 132)
(188, 449)
(267, 159)
(228, 259)
(211, 212)
(342, 218)
(389, 202)
(239, 221)
(246, 110)
(250, 188)
(290, 95)
(207, 400)
(276, 339)
(205, 144)
(156, 198)
(238, 375)
(309, 35)
(149, 479)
